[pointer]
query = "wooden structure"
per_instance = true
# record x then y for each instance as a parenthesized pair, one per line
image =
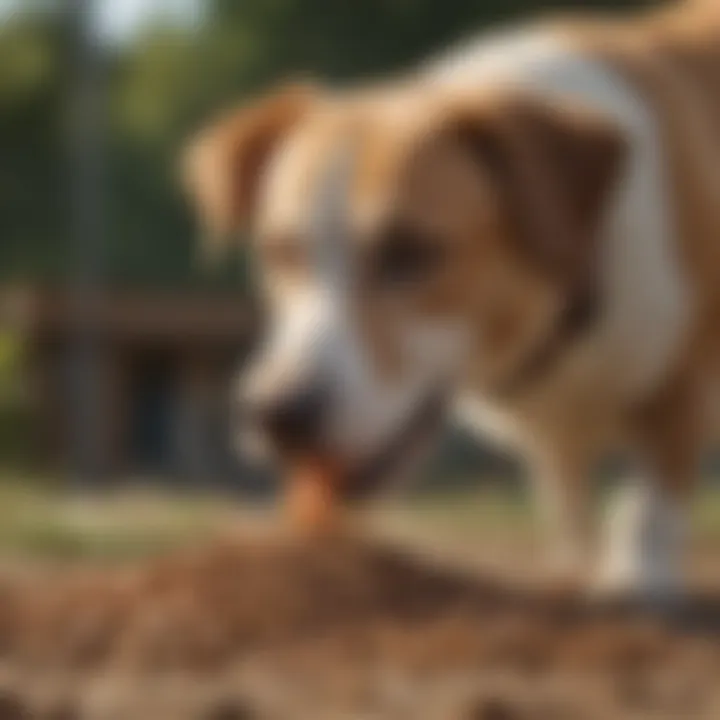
(165, 363)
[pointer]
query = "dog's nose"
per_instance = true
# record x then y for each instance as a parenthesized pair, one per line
(292, 420)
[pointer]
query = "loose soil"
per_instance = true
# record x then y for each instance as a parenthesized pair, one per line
(292, 630)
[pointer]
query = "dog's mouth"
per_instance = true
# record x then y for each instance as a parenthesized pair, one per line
(377, 472)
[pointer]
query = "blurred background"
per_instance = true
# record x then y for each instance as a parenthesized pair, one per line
(116, 346)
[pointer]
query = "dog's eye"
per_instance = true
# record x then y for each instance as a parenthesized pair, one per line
(405, 256)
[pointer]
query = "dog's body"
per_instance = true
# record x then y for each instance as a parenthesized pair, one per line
(599, 183)
(646, 291)
(655, 351)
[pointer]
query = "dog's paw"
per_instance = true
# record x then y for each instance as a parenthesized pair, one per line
(635, 590)
(641, 554)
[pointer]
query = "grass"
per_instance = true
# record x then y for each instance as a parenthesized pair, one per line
(43, 522)
(47, 523)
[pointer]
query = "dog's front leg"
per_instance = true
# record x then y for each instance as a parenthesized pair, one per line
(561, 485)
(645, 527)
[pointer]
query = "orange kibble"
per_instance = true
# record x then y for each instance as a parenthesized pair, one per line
(312, 501)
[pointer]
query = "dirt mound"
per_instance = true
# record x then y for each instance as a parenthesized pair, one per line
(348, 622)
(206, 609)
(211, 606)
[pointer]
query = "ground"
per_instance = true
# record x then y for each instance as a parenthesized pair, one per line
(139, 605)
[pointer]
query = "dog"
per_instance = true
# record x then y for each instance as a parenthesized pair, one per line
(522, 232)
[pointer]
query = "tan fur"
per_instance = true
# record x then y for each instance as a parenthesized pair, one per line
(486, 275)
(673, 59)
(512, 189)
(222, 167)
(553, 167)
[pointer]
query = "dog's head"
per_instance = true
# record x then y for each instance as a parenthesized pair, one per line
(405, 238)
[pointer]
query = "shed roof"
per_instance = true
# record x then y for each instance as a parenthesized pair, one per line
(128, 314)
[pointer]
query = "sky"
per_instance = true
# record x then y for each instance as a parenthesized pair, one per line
(121, 18)
(118, 20)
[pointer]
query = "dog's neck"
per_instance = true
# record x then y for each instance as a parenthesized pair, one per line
(576, 319)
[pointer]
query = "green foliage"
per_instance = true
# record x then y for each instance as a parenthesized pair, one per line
(161, 86)
(11, 356)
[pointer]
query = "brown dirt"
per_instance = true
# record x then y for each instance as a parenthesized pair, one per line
(339, 630)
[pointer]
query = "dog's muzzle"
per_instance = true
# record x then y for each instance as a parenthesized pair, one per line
(292, 421)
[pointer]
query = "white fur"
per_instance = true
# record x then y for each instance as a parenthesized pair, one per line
(643, 541)
(314, 331)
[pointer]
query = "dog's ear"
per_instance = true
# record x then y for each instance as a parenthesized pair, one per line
(554, 168)
(222, 167)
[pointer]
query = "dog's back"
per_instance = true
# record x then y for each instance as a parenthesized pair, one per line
(673, 59)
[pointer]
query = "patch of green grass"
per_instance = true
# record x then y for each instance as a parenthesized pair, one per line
(497, 509)
(39, 520)
(44, 522)
(466, 513)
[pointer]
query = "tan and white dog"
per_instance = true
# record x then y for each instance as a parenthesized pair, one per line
(526, 229)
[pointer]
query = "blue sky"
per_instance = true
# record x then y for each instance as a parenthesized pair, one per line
(119, 19)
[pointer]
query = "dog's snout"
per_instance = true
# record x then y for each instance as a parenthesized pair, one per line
(291, 420)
